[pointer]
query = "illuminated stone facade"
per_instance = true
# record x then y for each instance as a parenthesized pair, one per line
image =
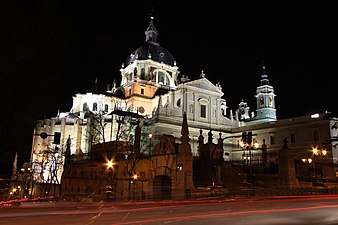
(151, 88)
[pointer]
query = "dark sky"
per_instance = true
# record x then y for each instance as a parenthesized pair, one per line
(229, 42)
(51, 50)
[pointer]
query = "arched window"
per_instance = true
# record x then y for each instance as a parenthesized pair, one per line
(161, 77)
(203, 107)
(85, 106)
(203, 111)
(143, 74)
(261, 100)
(94, 106)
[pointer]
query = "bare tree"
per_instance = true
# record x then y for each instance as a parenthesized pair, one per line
(98, 123)
(50, 168)
(138, 152)
(133, 130)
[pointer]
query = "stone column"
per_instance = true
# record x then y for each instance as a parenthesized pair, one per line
(286, 168)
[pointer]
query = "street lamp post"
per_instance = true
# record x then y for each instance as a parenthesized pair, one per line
(308, 161)
(249, 144)
(110, 166)
(142, 192)
(321, 153)
(246, 160)
(26, 181)
(150, 136)
(134, 185)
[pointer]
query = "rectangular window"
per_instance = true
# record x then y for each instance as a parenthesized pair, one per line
(203, 111)
(315, 134)
(292, 138)
(272, 140)
(142, 91)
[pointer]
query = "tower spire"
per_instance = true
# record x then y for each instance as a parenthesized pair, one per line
(185, 147)
(263, 66)
(15, 165)
(264, 77)
(151, 32)
(95, 85)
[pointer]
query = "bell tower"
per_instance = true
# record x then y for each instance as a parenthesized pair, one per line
(265, 98)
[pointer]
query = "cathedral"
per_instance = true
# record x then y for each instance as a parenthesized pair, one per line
(155, 97)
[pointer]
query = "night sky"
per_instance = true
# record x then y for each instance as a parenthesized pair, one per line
(51, 50)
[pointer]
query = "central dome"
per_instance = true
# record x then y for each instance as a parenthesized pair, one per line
(151, 49)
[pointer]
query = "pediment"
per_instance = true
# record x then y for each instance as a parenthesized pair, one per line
(204, 85)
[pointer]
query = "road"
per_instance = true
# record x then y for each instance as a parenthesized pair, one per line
(305, 210)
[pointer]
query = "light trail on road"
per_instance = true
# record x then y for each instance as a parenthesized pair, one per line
(208, 215)
(269, 210)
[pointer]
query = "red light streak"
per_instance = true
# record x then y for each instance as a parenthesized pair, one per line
(227, 214)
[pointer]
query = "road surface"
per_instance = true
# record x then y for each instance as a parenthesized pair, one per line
(286, 210)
